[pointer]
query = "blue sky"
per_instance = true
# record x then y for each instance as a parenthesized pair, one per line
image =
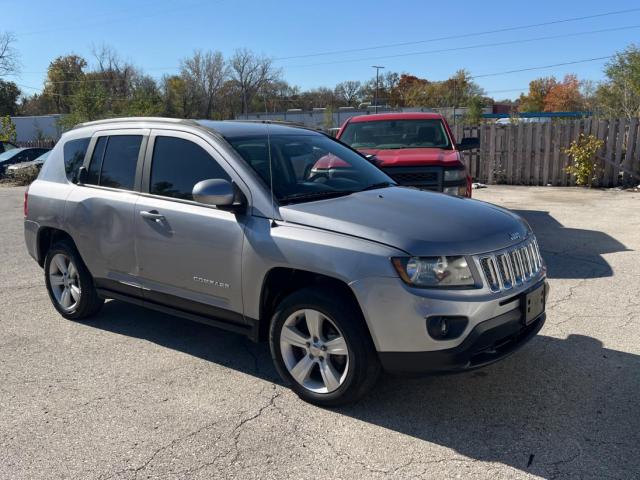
(155, 35)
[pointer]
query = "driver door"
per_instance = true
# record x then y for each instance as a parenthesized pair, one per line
(189, 254)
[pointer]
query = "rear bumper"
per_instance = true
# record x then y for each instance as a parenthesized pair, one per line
(31, 238)
(488, 342)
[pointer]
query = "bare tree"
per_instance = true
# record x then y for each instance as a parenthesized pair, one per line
(115, 74)
(251, 72)
(349, 92)
(204, 75)
(8, 55)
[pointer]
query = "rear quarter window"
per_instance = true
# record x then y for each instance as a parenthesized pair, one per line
(74, 152)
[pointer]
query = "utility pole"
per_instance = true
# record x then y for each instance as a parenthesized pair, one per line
(375, 97)
(455, 99)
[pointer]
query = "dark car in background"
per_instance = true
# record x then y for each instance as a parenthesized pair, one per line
(37, 163)
(19, 155)
(415, 149)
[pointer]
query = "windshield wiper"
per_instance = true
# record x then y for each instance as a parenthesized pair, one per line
(315, 195)
(332, 193)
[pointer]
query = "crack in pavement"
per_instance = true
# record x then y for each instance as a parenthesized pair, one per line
(158, 451)
(237, 432)
(568, 297)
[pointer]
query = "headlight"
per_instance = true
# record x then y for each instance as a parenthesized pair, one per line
(434, 271)
(454, 174)
(460, 190)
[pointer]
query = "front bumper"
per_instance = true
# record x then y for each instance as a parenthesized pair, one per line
(488, 342)
(397, 314)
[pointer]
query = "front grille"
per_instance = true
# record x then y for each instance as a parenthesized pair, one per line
(512, 267)
(424, 177)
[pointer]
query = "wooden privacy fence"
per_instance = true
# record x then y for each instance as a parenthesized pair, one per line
(533, 153)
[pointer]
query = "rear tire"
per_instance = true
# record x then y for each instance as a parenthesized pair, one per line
(321, 346)
(69, 283)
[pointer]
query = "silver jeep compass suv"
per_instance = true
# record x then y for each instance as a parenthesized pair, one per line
(229, 223)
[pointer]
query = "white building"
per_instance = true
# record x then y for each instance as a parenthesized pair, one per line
(37, 127)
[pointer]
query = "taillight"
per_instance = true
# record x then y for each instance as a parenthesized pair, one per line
(25, 205)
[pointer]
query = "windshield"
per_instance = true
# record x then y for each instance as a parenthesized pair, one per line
(9, 154)
(392, 134)
(43, 157)
(308, 167)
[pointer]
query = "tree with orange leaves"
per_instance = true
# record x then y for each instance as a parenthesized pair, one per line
(564, 96)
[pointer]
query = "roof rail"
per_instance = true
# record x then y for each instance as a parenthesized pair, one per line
(107, 121)
(274, 122)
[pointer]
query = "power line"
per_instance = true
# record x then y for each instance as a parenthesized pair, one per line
(483, 75)
(55, 94)
(508, 90)
(541, 67)
(426, 52)
(470, 47)
(525, 69)
(452, 37)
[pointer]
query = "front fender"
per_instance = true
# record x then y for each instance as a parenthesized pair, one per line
(304, 248)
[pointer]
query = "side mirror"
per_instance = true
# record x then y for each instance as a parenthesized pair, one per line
(468, 143)
(83, 175)
(216, 191)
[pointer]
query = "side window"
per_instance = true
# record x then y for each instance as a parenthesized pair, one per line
(95, 165)
(30, 155)
(23, 156)
(179, 164)
(114, 161)
(74, 152)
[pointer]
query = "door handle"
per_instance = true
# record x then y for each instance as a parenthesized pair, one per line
(152, 215)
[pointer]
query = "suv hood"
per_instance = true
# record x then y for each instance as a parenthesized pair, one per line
(418, 222)
(406, 157)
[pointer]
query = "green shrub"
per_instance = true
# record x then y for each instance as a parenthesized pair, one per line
(583, 155)
(7, 129)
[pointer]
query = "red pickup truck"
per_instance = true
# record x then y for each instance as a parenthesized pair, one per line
(415, 149)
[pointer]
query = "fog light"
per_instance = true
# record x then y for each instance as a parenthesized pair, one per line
(446, 327)
(450, 190)
(443, 327)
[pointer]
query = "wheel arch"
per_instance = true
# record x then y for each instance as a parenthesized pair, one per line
(280, 282)
(46, 238)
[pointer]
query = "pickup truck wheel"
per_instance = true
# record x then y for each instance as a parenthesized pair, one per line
(69, 283)
(320, 345)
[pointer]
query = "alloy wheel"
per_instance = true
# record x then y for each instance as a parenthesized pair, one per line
(314, 351)
(65, 282)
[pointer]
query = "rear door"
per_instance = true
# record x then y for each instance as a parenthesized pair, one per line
(189, 253)
(100, 212)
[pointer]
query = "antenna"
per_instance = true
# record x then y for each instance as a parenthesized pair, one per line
(266, 122)
(273, 203)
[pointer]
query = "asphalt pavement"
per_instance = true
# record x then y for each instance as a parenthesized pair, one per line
(139, 394)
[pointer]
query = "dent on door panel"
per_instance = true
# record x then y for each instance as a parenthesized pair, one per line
(101, 223)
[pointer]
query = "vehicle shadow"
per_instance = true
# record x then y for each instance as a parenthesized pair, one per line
(571, 252)
(557, 408)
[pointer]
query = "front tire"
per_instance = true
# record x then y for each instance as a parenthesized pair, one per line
(69, 283)
(320, 345)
